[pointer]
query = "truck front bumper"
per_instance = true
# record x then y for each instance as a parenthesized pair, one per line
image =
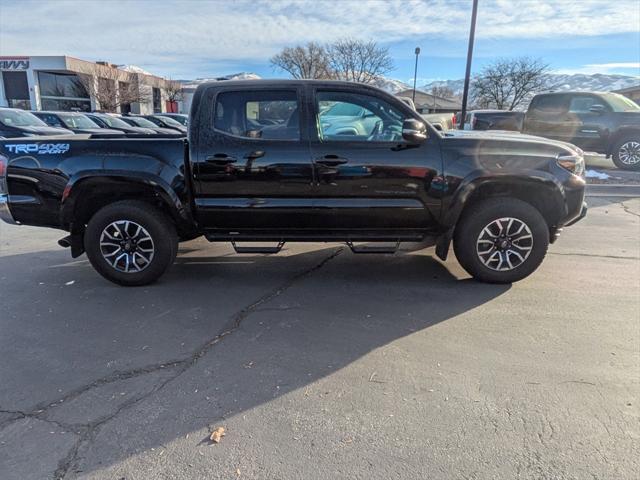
(583, 213)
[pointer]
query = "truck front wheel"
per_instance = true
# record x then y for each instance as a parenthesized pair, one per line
(130, 243)
(501, 240)
(626, 152)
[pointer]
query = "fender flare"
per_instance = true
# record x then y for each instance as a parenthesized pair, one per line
(620, 132)
(544, 182)
(178, 208)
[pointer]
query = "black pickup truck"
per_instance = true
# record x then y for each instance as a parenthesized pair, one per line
(606, 123)
(261, 164)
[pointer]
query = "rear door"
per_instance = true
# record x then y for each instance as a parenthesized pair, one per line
(252, 165)
(547, 116)
(369, 178)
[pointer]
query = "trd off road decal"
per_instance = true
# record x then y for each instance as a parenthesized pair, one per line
(39, 149)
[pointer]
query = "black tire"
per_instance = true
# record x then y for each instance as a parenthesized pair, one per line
(623, 152)
(155, 225)
(467, 240)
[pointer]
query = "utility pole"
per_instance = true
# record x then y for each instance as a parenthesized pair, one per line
(472, 34)
(415, 75)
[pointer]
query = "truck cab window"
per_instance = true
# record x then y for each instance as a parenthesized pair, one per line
(269, 115)
(345, 116)
(582, 104)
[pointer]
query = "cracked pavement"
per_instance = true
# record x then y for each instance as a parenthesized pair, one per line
(320, 363)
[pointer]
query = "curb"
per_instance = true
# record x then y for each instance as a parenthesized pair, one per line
(612, 190)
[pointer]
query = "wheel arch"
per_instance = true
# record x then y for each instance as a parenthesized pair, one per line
(541, 191)
(85, 195)
(620, 133)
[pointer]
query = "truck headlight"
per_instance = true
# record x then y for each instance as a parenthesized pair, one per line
(572, 163)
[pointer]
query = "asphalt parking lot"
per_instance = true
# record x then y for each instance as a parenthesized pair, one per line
(322, 364)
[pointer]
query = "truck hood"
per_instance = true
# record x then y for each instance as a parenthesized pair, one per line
(497, 153)
(513, 140)
(98, 131)
(629, 118)
(42, 130)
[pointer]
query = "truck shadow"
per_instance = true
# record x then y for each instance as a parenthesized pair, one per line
(292, 320)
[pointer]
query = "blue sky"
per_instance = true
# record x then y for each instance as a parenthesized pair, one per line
(198, 38)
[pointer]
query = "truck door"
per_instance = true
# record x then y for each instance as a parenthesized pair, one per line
(369, 178)
(252, 166)
(547, 116)
(589, 130)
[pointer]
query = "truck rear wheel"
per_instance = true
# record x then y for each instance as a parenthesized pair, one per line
(626, 152)
(501, 240)
(130, 243)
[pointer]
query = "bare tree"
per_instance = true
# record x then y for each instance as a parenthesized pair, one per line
(507, 83)
(358, 61)
(308, 61)
(112, 88)
(173, 91)
(442, 91)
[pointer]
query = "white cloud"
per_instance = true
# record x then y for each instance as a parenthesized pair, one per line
(177, 35)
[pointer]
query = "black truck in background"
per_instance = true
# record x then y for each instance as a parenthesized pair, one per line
(606, 123)
(261, 163)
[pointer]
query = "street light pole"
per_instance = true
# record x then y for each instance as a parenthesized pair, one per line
(472, 34)
(415, 75)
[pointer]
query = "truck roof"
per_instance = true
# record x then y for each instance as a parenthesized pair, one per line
(266, 83)
(571, 92)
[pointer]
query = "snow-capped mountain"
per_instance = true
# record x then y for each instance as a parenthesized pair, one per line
(391, 85)
(233, 76)
(597, 82)
(135, 69)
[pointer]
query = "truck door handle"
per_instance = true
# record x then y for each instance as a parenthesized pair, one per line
(331, 160)
(220, 159)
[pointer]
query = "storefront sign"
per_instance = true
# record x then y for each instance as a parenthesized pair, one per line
(14, 63)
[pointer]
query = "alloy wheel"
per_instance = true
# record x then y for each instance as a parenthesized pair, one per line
(127, 246)
(504, 244)
(629, 153)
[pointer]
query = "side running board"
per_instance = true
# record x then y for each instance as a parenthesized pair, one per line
(258, 249)
(373, 249)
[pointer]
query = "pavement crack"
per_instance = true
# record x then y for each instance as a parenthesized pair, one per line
(570, 254)
(627, 209)
(87, 432)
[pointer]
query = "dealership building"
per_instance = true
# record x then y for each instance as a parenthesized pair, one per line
(70, 84)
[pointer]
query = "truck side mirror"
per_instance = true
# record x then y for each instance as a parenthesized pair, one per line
(597, 108)
(414, 131)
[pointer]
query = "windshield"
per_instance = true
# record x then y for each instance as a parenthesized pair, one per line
(181, 119)
(19, 118)
(620, 103)
(170, 121)
(342, 109)
(142, 122)
(114, 122)
(77, 121)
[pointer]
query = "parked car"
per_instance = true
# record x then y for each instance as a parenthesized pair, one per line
(441, 121)
(181, 118)
(109, 121)
(501, 198)
(492, 120)
(20, 123)
(166, 122)
(605, 123)
(142, 122)
(74, 121)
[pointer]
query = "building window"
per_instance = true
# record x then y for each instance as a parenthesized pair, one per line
(157, 100)
(60, 91)
(16, 89)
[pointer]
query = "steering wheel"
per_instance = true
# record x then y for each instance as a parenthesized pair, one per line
(375, 131)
